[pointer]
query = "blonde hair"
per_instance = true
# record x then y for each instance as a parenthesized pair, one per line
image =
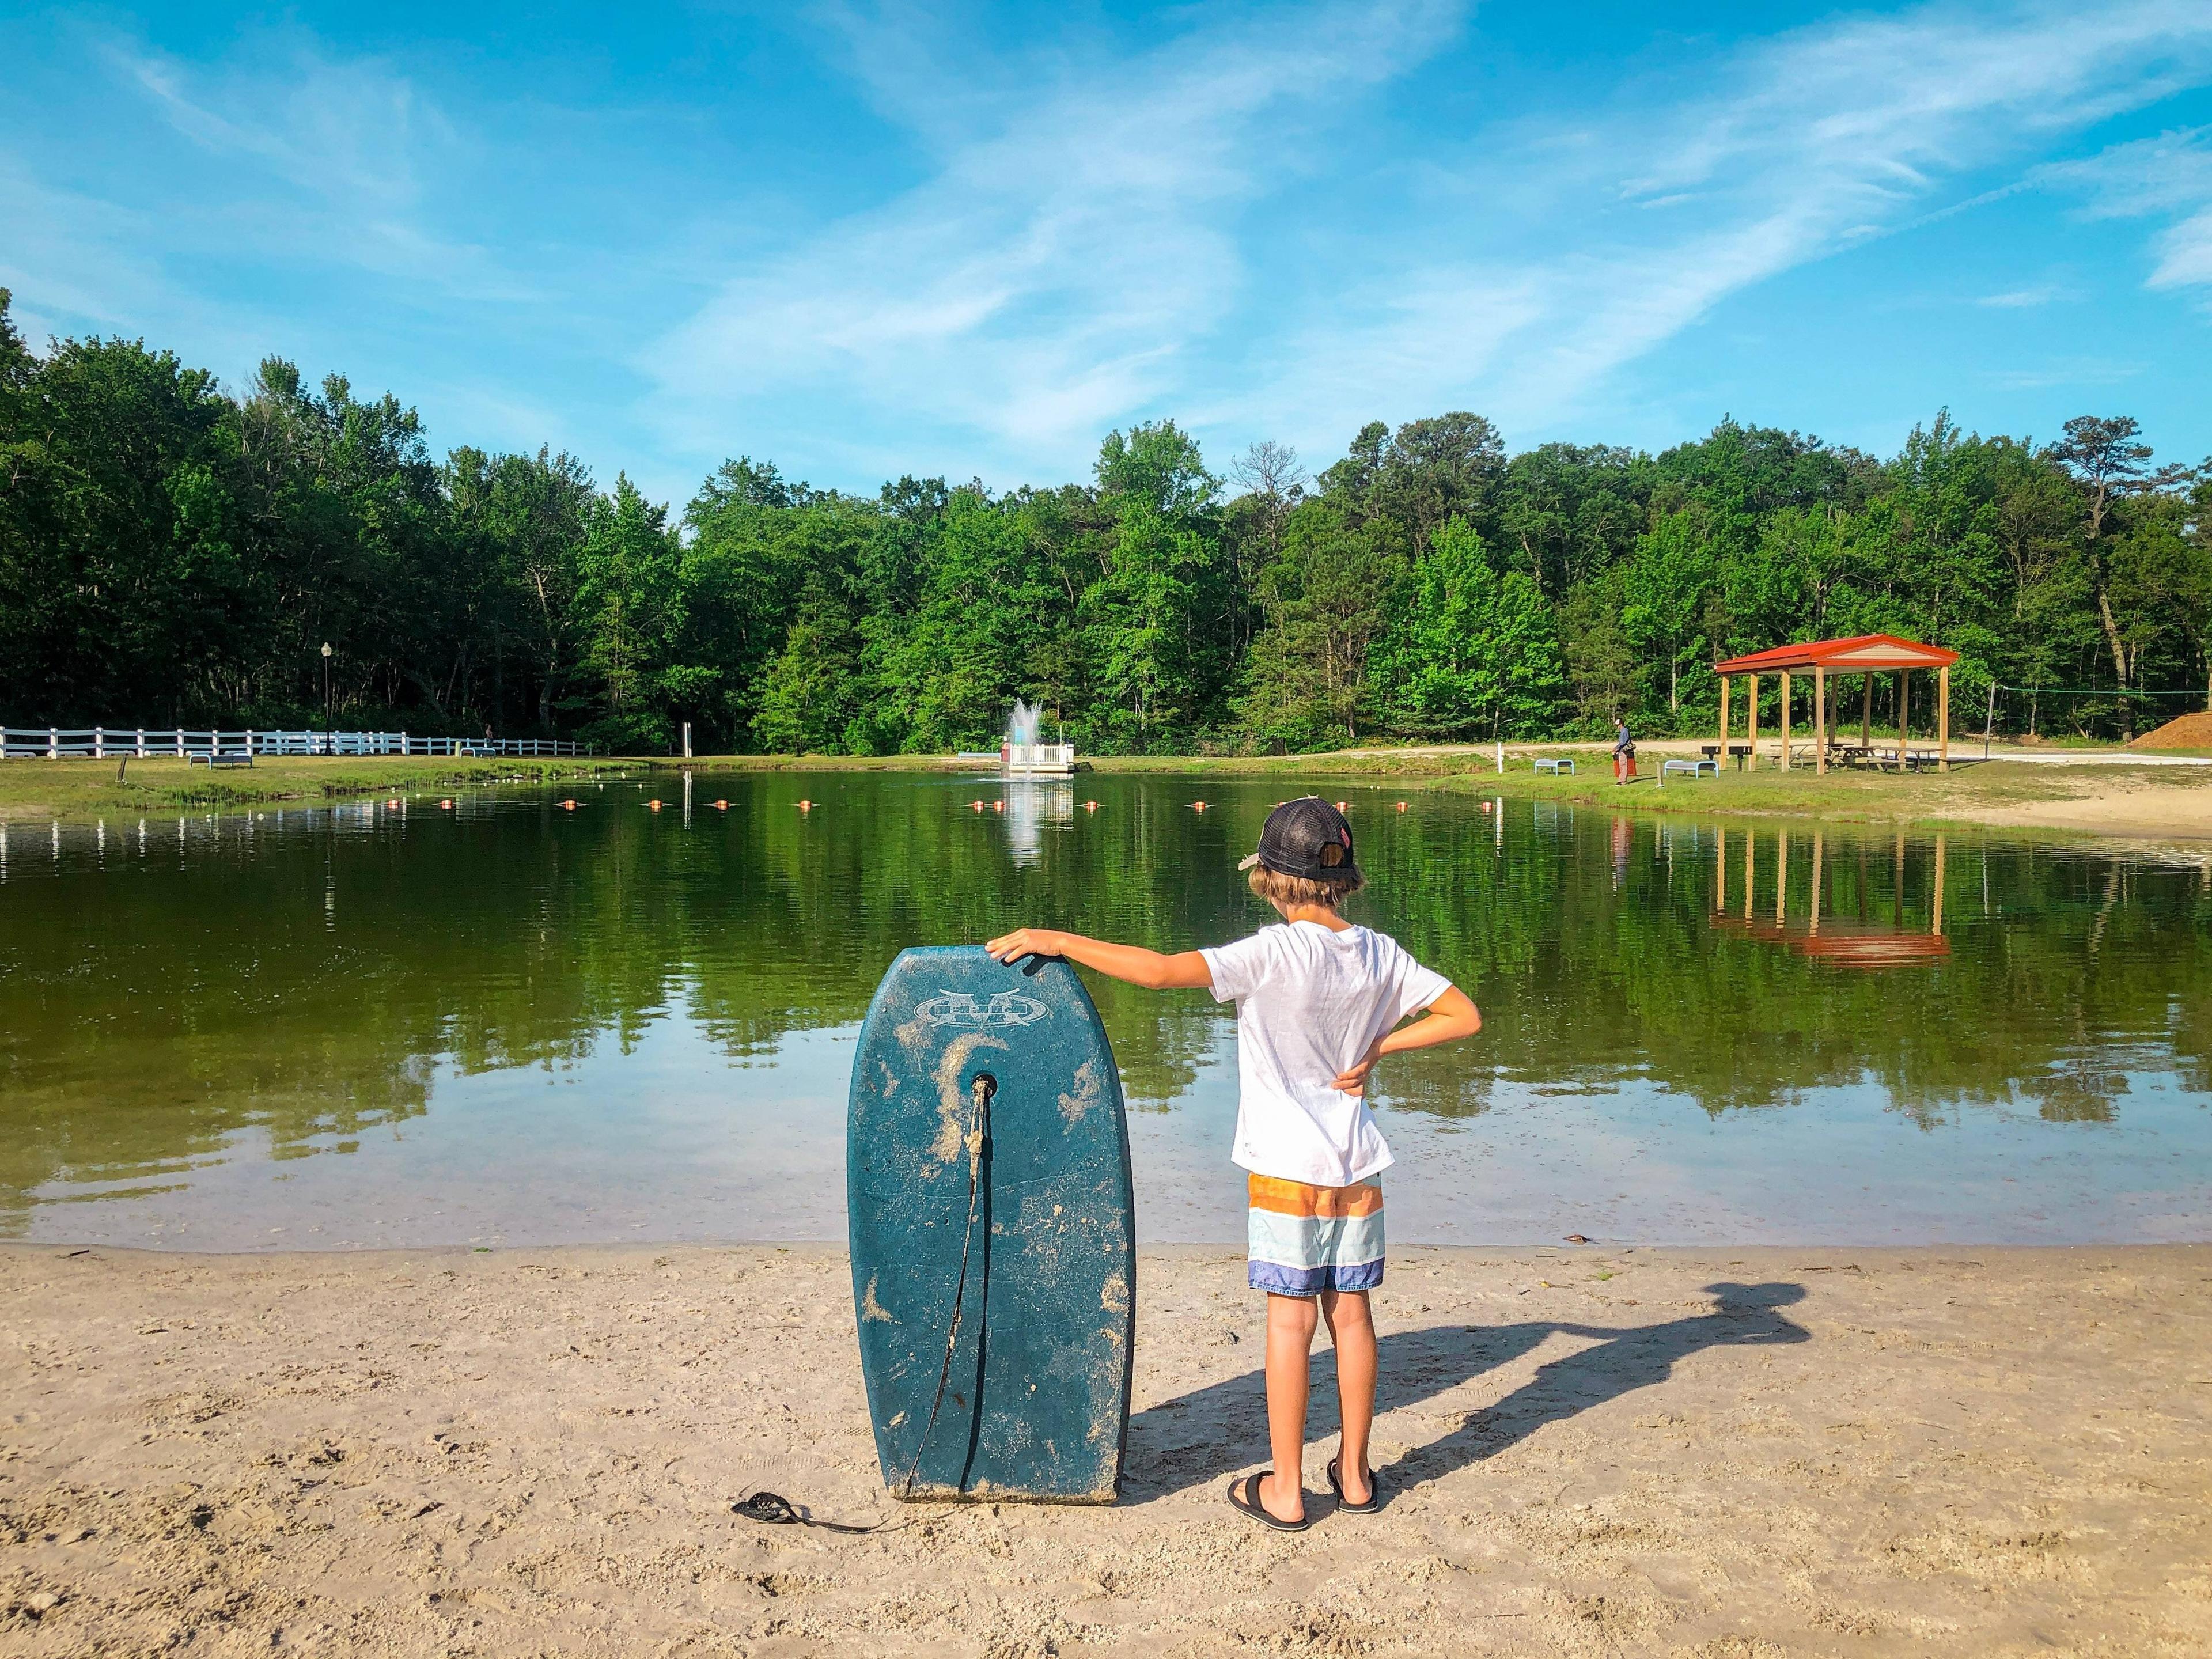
(1292, 891)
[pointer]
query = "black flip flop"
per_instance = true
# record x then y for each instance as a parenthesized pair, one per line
(1374, 1492)
(1251, 1505)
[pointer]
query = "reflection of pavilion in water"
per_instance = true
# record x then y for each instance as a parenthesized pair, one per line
(1858, 941)
(1032, 805)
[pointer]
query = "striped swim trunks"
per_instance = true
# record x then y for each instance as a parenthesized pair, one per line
(1307, 1239)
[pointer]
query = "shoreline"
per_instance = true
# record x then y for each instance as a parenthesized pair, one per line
(2109, 794)
(1586, 1451)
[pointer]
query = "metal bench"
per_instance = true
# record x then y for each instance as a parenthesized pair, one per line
(1556, 764)
(224, 757)
(1704, 767)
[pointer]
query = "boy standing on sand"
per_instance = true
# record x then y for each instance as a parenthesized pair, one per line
(1318, 1001)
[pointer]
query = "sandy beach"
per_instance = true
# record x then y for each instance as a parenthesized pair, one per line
(1588, 1451)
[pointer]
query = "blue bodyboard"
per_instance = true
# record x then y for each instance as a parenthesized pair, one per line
(994, 1231)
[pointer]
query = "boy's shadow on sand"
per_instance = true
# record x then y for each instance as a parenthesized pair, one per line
(1209, 1433)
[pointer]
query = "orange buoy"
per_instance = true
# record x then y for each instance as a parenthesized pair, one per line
(1401, 806)
(998, 806)
(394, 801)
(721, 806)
(654, 805)
(446, 805)
(1485, 807)
(975, 805)
(1344, 806)
(568, 805)
(1090, 806)
(806, 806)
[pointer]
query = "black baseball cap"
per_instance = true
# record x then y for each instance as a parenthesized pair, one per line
(1309, 838)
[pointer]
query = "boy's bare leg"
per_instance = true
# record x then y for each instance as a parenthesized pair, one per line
(1351, 1328)
(1290, 1321)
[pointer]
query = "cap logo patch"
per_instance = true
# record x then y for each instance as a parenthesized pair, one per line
(1332, 854)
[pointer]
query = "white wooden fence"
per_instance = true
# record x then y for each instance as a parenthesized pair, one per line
(109, 742)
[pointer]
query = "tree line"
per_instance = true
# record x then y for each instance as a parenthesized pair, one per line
(173, 552)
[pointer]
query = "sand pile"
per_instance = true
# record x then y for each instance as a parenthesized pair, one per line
(2187, 731)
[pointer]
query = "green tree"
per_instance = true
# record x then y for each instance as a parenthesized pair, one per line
(631, 606)
(2110, 464)
(1477, 653)
(1665, 597)
(1324, 602)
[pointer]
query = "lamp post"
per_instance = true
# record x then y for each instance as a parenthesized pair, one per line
(327, 696)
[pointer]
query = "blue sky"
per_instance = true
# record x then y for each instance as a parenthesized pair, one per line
(864, 240)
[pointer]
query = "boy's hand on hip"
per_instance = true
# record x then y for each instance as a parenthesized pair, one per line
(1028, 942)
(1354, 1079)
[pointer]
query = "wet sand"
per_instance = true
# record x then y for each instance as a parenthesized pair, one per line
(1588, 1451)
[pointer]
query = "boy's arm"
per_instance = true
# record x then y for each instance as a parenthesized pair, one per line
(1450, 1016)
(1133, 962)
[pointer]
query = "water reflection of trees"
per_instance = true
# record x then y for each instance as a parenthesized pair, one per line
(304, 982)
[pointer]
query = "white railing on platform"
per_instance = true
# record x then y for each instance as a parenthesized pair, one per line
(112, 742)
(1030, 759)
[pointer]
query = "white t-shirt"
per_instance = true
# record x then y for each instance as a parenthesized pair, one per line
(1310, 999)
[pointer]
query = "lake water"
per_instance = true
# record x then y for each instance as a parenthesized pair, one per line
(511, 1023)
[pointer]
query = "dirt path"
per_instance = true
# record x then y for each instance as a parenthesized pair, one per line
(1757, 1452)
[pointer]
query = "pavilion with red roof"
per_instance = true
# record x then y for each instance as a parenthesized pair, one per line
(1866, 655)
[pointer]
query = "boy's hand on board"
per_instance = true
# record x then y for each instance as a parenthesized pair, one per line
(1028, 942)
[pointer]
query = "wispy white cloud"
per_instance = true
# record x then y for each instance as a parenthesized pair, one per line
(348, 141)
(2029, 299)
(1053, 274)
(2168, 177)
(2067, 372)
(1811, 143)
(1089, 256)
(78, 263)
(1265, 222)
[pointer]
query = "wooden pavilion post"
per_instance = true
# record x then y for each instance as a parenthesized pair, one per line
(1904, 712)
(1819, 730)
(1720, 863)
(1816, 881)
(1785, 719)
(1781, 878)
(1722, 758)
(1751, 733)
(1943, 731)
(1938, 928)
(1750, 870)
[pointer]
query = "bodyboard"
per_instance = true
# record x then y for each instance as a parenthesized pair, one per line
(993, 1233)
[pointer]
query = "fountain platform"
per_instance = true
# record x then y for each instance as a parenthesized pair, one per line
(1038, 760)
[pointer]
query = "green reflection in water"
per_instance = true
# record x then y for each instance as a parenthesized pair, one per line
(165, 986)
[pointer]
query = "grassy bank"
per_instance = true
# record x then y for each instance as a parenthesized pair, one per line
(37, 790)
(1998, 792)
(2119, 799)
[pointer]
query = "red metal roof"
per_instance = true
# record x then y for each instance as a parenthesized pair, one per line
(1866, 651)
